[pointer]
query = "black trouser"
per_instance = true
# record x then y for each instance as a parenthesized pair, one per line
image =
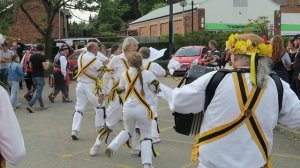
(3, 76)
(60, 85)
(296, 88)
(29, 83)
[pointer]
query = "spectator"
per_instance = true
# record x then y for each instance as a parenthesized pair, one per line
(213, 55)
(28, 71)
(115, 50)
(18, 48)
(14, 75)
(5, 57)
(296, 74)
(281, 59)
(12, 147)
(39, 65)
(291, 49)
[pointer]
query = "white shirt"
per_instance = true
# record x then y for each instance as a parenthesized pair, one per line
(92, 69)
(155, 68)
(148, 77)
(117, 64)
(63, 65)
(237, 149)
(11, 140)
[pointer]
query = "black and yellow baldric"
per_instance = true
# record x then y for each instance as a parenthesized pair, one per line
(112, 93)
(248, 102)
(148, 65)
(83, 68)
(125, 63)
(132, 90)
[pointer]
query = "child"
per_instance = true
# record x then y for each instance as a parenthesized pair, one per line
(14, 76)
(136, 110)
(158, 71)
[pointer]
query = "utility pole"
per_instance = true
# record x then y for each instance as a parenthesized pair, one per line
(171, 28)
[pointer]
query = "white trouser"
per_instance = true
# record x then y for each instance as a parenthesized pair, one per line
(154, 106)
(84, 94)
(132, 115)
(113, 113)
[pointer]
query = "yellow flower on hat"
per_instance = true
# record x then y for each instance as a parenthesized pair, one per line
(247, 47)
(238, 46)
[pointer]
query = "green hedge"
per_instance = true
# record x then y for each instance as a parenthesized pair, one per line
(199, 38)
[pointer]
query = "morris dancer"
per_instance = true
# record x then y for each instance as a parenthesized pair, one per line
(239, 133)
(158, 71)
(61, 76)
(117, 66)
(138, 93)
(88, 66)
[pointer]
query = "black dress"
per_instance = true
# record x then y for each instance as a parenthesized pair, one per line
(282, 72)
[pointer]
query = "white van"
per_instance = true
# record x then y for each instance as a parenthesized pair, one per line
(77, 42)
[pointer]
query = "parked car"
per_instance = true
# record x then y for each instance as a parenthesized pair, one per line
(72, 61)
(186, 55)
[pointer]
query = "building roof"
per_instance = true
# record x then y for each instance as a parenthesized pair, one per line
(280, 2)
(164, 11)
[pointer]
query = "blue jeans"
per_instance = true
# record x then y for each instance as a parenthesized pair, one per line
(14, 93)
(39, 82)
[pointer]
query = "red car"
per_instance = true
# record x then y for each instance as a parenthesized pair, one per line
(186, 55)
(72, 61)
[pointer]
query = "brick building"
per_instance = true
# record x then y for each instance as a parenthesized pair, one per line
(24, 30)
(216, 15)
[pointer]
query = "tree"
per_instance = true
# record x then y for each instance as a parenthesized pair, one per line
(7, 11)
(158, 5)
(259, 25)
(109, 16)
(52, 7)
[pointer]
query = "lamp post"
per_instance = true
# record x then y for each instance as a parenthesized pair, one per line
(171, 28)
(59, 23)
(192, 16)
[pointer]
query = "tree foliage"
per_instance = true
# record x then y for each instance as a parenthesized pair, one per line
(259, 25)
(52, 7)
(109, 16)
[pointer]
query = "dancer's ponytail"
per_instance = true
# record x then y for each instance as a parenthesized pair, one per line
(135, 60)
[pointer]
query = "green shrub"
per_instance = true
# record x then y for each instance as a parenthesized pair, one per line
(199, 38)
(108, 34)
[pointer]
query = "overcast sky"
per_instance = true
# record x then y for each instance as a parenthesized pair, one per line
(82, 15)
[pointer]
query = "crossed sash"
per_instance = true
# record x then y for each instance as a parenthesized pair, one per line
(84, 68)
(132, 90)
(112, 93)
(148, 65)
(248, 103)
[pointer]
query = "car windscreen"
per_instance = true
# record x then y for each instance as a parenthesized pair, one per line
(187, 52)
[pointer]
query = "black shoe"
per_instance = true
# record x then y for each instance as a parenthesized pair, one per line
(51, 99)
(67, 101)
(27, 97)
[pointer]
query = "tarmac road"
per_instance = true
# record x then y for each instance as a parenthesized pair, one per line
(49, 145)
